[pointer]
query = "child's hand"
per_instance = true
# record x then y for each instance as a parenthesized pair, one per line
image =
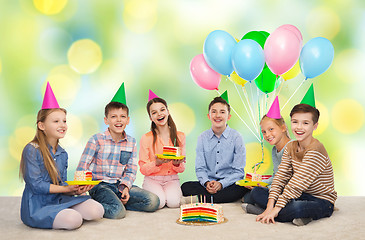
(176, 162)
(125, 195)
(160, 161)
(71, 189)
(249, 187)
(269, 215)
(84, 189)
(217, 186)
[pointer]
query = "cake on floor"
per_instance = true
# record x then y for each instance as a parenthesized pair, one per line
(201, 212)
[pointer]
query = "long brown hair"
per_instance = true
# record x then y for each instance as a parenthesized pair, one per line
(170, 123)
(41, 140)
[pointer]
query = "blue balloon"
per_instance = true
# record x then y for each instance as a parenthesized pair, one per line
(248, 59)
(217, 51)
(316, 57)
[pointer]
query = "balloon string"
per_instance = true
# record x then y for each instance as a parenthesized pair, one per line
(281, 86)
(242, 120)
(245, 106)
(293, 94)
(249, 104)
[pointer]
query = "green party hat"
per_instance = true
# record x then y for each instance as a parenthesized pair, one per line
(225, 96)
(309, 97)
(120, 95)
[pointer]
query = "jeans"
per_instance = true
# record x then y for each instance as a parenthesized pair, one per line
(229, 194)
(109, 196)
(306, 206)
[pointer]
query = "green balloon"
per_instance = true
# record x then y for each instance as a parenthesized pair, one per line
(265, 33)
(257, 36)
(266, 81)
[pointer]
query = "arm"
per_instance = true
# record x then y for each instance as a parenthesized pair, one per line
(312, 165)
(282, 177)
(130, 170)
(238, 163)
(88, 156)
(147, 166)
(200, 163)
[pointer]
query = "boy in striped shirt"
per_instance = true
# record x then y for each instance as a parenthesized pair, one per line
(303, 188)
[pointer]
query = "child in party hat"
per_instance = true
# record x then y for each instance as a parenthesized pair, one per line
(47, 201)
(303, 188)
(112, 158)
(275, 132)
(161, 172)
(220, 158)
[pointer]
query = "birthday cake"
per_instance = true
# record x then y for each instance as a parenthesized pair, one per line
(254, 177)
(83, 176)
(201, 212)
(171, 151)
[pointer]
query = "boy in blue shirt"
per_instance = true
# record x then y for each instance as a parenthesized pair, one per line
(220, 158)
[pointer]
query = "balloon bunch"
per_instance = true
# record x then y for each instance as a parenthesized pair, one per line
(260, 57)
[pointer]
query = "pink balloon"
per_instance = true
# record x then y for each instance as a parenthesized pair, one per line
(203, 75)
(282, 50)
(295, 30)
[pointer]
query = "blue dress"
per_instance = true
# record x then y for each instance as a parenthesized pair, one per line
(39, 207)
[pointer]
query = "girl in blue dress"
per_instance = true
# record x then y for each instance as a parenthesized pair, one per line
(47, 201)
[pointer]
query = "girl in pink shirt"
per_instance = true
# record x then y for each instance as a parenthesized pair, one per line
(161, 174)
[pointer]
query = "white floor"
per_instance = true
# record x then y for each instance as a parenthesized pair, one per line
(347, 223)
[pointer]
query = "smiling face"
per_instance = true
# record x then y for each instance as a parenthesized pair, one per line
(219, 115)
(302, 127)
(54, 126)
(158, 113)
(271, 131)
(117, 119)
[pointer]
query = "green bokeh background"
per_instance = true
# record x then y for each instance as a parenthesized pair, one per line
(149, 45)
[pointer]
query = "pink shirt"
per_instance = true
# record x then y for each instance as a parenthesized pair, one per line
(147, 160)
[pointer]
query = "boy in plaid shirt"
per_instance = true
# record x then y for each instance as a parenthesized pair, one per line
(112, 158)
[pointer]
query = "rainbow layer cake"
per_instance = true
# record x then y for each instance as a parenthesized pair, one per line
(201, 212)
(83, 176)
(171, 151)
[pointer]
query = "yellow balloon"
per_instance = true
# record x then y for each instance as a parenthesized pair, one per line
(292, 73)
(237, 79)
(50, 7)
(84, 56)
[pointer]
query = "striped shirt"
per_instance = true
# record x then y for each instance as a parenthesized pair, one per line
(110, 161)
(308, 171)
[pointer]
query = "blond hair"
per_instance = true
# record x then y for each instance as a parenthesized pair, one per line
(41, 140)
(280, 122)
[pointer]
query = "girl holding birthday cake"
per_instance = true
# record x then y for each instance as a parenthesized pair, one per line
(47, 201)
(160, 153)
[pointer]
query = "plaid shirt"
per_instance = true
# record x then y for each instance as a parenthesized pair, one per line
(110, 161)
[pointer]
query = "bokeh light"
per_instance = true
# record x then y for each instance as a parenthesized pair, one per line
(65, 84)
(323, 119)
(184, 117)
(323, 22)
(17, 141)
(50, 7)
(348, 116)
(74, 132)
(84, 56)
(140, 16)
(348, 65)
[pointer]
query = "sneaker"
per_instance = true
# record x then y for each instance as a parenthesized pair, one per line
(301, 221)
(244, 207)
(188, 200)
(252, 209)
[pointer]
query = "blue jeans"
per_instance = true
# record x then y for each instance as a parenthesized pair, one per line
(109, 196)
(306, 206)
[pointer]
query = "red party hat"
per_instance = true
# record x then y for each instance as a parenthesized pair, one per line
(49, 100)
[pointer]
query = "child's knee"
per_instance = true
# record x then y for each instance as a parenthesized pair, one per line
(154, 202)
